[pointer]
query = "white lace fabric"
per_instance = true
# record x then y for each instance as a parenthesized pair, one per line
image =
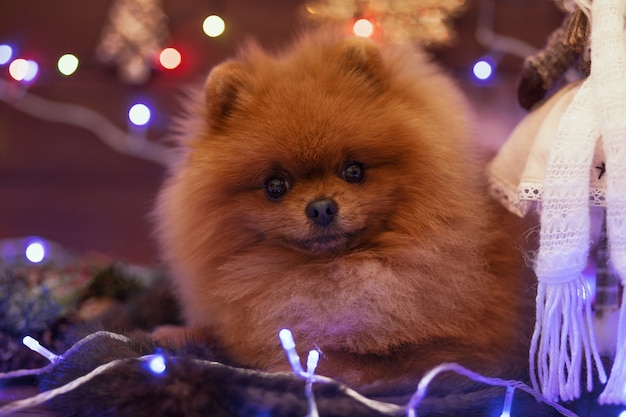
(518, 172)
(568, 154)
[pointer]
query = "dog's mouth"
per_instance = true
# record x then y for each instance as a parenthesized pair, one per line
(328, 242)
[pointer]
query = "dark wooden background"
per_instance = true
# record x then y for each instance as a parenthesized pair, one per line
(60, 182)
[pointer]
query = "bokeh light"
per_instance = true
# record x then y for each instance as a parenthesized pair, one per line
(31, 71)
(67, 64)
(35, 251)
(483, 70)
(170, 58)
(139, 114)
(18, 69)
(363, 28)
(157, 364)
(6, 53)
(213, 26)
(23, 70)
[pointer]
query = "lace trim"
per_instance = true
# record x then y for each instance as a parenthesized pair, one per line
(507, 197)
(534, 192)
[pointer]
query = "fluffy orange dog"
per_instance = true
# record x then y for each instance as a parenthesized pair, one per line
(334, 190)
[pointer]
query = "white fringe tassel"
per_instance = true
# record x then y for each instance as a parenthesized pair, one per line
(615, 389)
(563, 337)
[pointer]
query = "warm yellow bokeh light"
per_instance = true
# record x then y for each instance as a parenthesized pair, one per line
(67, 64)
(363, 28)
(213, 26)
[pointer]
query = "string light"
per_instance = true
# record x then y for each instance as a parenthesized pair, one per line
(312, 361)
(18, 69)
(170, 58)
(157, 365)
(67, 64)
(213, 26)
(363, 28)
(6, 53)
(32, 71)
(88, 119)
(423, 21)
(508, 402)
(311, 364)
(139, 114)
(35, 251)
(35, 346)
(23, 70)
(289, 346)
(157, 362)
(422, 388)
(483, 69)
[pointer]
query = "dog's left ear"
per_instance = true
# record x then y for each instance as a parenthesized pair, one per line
(361, 56)
(225, 86)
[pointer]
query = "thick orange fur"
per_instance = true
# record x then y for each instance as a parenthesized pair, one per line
(418, 267)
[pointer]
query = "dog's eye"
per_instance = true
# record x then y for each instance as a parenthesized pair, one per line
(353, 172)
(276, 187)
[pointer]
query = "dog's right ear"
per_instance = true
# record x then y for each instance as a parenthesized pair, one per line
(362, 57)
(224, 89)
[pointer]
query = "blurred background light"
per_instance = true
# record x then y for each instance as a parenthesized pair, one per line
(35, 251)
(139, 114)
(6, 53)
(213, 26)
(67, 64)
(363, 28)
(170, 58)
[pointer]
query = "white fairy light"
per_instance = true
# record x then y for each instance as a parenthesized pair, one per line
(35, 346)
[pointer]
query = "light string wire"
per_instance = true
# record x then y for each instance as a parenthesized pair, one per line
(422, 388)
(390, 409)
(28, 372)
(130, 144)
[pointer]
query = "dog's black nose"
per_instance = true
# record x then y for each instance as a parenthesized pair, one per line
(322, 212)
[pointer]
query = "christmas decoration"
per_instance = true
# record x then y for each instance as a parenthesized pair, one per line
(422, 21)
(567, 50)
(569, 154)
(47, 299)
(132, 143)
(161, 384)
(24, 307)
(133, 38)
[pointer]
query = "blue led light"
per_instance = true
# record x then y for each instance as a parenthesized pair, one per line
(157, 365)
(139, 114)
(483, 70)
(6, 53)
(36, 251)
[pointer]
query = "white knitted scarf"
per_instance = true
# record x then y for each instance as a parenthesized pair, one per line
(564, 335)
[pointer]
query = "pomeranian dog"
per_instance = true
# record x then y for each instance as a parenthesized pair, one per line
(335, 190)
